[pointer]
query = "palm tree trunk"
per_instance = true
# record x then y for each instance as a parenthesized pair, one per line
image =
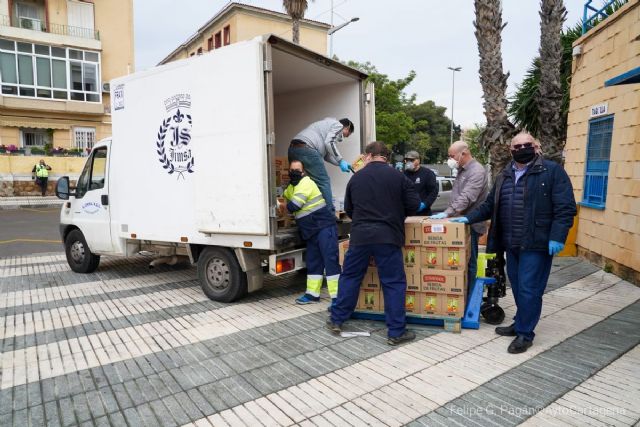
(552, 123)
(499, 131)
(296, 31)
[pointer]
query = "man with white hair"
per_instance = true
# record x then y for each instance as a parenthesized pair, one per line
(469, 191)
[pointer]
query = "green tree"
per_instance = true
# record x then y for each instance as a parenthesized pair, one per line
(430, 120)
(473, 138)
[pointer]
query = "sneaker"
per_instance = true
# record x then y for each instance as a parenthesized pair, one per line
(333, 327)
(307, 299)
(506, 331)
(333, 304)
(519, 345)
(406, 336)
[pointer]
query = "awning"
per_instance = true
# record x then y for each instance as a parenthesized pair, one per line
(629, 77)
(33, 123)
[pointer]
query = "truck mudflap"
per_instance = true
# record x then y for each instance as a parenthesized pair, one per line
(286, 262)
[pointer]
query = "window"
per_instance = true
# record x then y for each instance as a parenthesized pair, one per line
(29, 16)
(42, 71)
(218, 42)
(34, 137)
(84, 137)
(210, 43)
(597, 164)
(93, 174)
(199, 51)
(80, 19)
(446, 185)
(227, 35)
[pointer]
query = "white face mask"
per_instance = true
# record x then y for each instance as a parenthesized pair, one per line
(452, 163)
(409, 166)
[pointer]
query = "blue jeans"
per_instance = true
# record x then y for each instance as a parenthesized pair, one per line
(473, 259)
(314, 167)
(528, 273)
(394, 284)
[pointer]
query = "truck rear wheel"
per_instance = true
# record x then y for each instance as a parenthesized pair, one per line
(221, 276)
(79, 256)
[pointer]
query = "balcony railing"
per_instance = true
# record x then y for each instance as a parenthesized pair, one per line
(37, 25)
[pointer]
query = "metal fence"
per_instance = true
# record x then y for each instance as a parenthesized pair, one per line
(37, 25)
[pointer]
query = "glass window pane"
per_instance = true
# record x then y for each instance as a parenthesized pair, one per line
(59, 52)
(25, 47)
(93, 97)
(76, 75)
(98, 171)
(43, 93)
(43, 67)
(75, 54)
(42, 50)
(90, 77)
(59, 74)
(59, 94)
(8, 67)
(7, 44)
(91, 56)
(9, 90)
(77, 96)
(26, 91)
(25, 70)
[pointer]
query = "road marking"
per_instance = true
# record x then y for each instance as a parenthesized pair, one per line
(2, 242)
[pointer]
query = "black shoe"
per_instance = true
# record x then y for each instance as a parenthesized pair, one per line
(333, 327)
(506, 331)
(406, 336)
(519, 345)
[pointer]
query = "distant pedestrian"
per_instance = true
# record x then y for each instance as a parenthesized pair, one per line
(424, 180)
(378, 199)
(41, 174)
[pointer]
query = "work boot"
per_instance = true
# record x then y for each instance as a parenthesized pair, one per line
(519, 345)
(506, 331)
(333, 327)
(307, 299)
(406, 336)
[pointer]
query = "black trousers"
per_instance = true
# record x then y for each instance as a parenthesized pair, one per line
(42, 183)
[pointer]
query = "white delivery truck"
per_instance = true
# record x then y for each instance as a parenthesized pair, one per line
(190, 167)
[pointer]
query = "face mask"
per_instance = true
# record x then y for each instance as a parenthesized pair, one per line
(524, 155)
(452, 163)
(409, 166)
(295, 176)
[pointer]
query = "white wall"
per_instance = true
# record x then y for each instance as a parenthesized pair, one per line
(295, 110)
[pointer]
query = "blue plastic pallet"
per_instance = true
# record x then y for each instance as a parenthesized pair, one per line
(470, 320)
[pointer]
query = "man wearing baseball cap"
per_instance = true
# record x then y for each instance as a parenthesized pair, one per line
(423, 179)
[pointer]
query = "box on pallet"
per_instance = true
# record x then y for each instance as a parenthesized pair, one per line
(411, 256)
(452, 305)
(369, 299)
(429, 303)
(412, 302)
(455, 258)
(430, 257)
(414, 278)
(441, 232)
(413, 230)
(443, 281)
(371, 280)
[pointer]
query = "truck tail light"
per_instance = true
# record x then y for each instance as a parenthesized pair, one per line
(286, 264)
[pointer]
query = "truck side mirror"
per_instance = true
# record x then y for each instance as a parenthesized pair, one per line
(62, 188)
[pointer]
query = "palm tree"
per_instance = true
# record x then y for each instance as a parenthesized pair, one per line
(295, 9)
(551, 120)
(499, 130)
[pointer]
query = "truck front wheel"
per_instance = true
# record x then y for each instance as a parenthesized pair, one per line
(220, 274)
(79, 256)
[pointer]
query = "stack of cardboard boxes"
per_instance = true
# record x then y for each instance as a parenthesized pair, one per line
(436, 256)
(282, 181)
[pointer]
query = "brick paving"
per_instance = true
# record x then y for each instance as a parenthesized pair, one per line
(131, 346)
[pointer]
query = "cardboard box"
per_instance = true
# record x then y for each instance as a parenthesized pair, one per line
(430, 304)
(414, 278)
(381, 300)
(452, 305)
(281, 210)
(371, 280)
(282, 164)
(358, 163)
(412, 302)
(413, 230)
(441, 232)
(343, 246)
(455, 258)
(431, 257)
(369, 299)
(443, 281)
(411, 256)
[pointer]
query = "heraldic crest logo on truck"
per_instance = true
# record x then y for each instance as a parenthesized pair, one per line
(174, 136)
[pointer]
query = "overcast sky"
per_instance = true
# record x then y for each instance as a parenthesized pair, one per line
(422, 35)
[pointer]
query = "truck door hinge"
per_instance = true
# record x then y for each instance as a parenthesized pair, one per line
(272, 212)
(267, 66)
(271, 138)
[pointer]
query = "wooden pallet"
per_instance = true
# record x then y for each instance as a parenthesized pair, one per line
(449, 324)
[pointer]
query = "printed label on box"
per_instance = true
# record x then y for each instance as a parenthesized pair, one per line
(412, 302)
(430, 304)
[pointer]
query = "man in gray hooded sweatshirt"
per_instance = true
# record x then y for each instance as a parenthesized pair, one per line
(318, 142)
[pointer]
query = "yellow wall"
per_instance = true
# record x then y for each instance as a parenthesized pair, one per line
(610, 49)
(23, 165)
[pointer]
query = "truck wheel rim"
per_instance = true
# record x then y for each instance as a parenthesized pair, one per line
(77, 252)
(218, 274)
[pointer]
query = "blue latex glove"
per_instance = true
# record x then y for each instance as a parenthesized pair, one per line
(555, 247)
(441, 215)
(344, 166)
(422, 207)
(462, 219)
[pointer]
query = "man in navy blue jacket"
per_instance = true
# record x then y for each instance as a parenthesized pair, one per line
(531, 207)
(378, 199)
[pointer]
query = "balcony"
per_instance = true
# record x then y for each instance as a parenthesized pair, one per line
(40, 26)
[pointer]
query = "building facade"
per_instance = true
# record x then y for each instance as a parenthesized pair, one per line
(238, 22)
(602, 152)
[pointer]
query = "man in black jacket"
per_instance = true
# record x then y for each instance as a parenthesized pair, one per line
(424, 180)
(531, 207)
(378, 199)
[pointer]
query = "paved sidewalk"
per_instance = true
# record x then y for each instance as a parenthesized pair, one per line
(29, 202)
(131, 346)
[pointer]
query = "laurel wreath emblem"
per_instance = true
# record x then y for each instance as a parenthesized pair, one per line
(162, 155)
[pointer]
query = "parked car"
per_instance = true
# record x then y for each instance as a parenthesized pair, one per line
(445, 184)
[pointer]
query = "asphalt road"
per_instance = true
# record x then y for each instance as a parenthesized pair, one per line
(29, 230)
